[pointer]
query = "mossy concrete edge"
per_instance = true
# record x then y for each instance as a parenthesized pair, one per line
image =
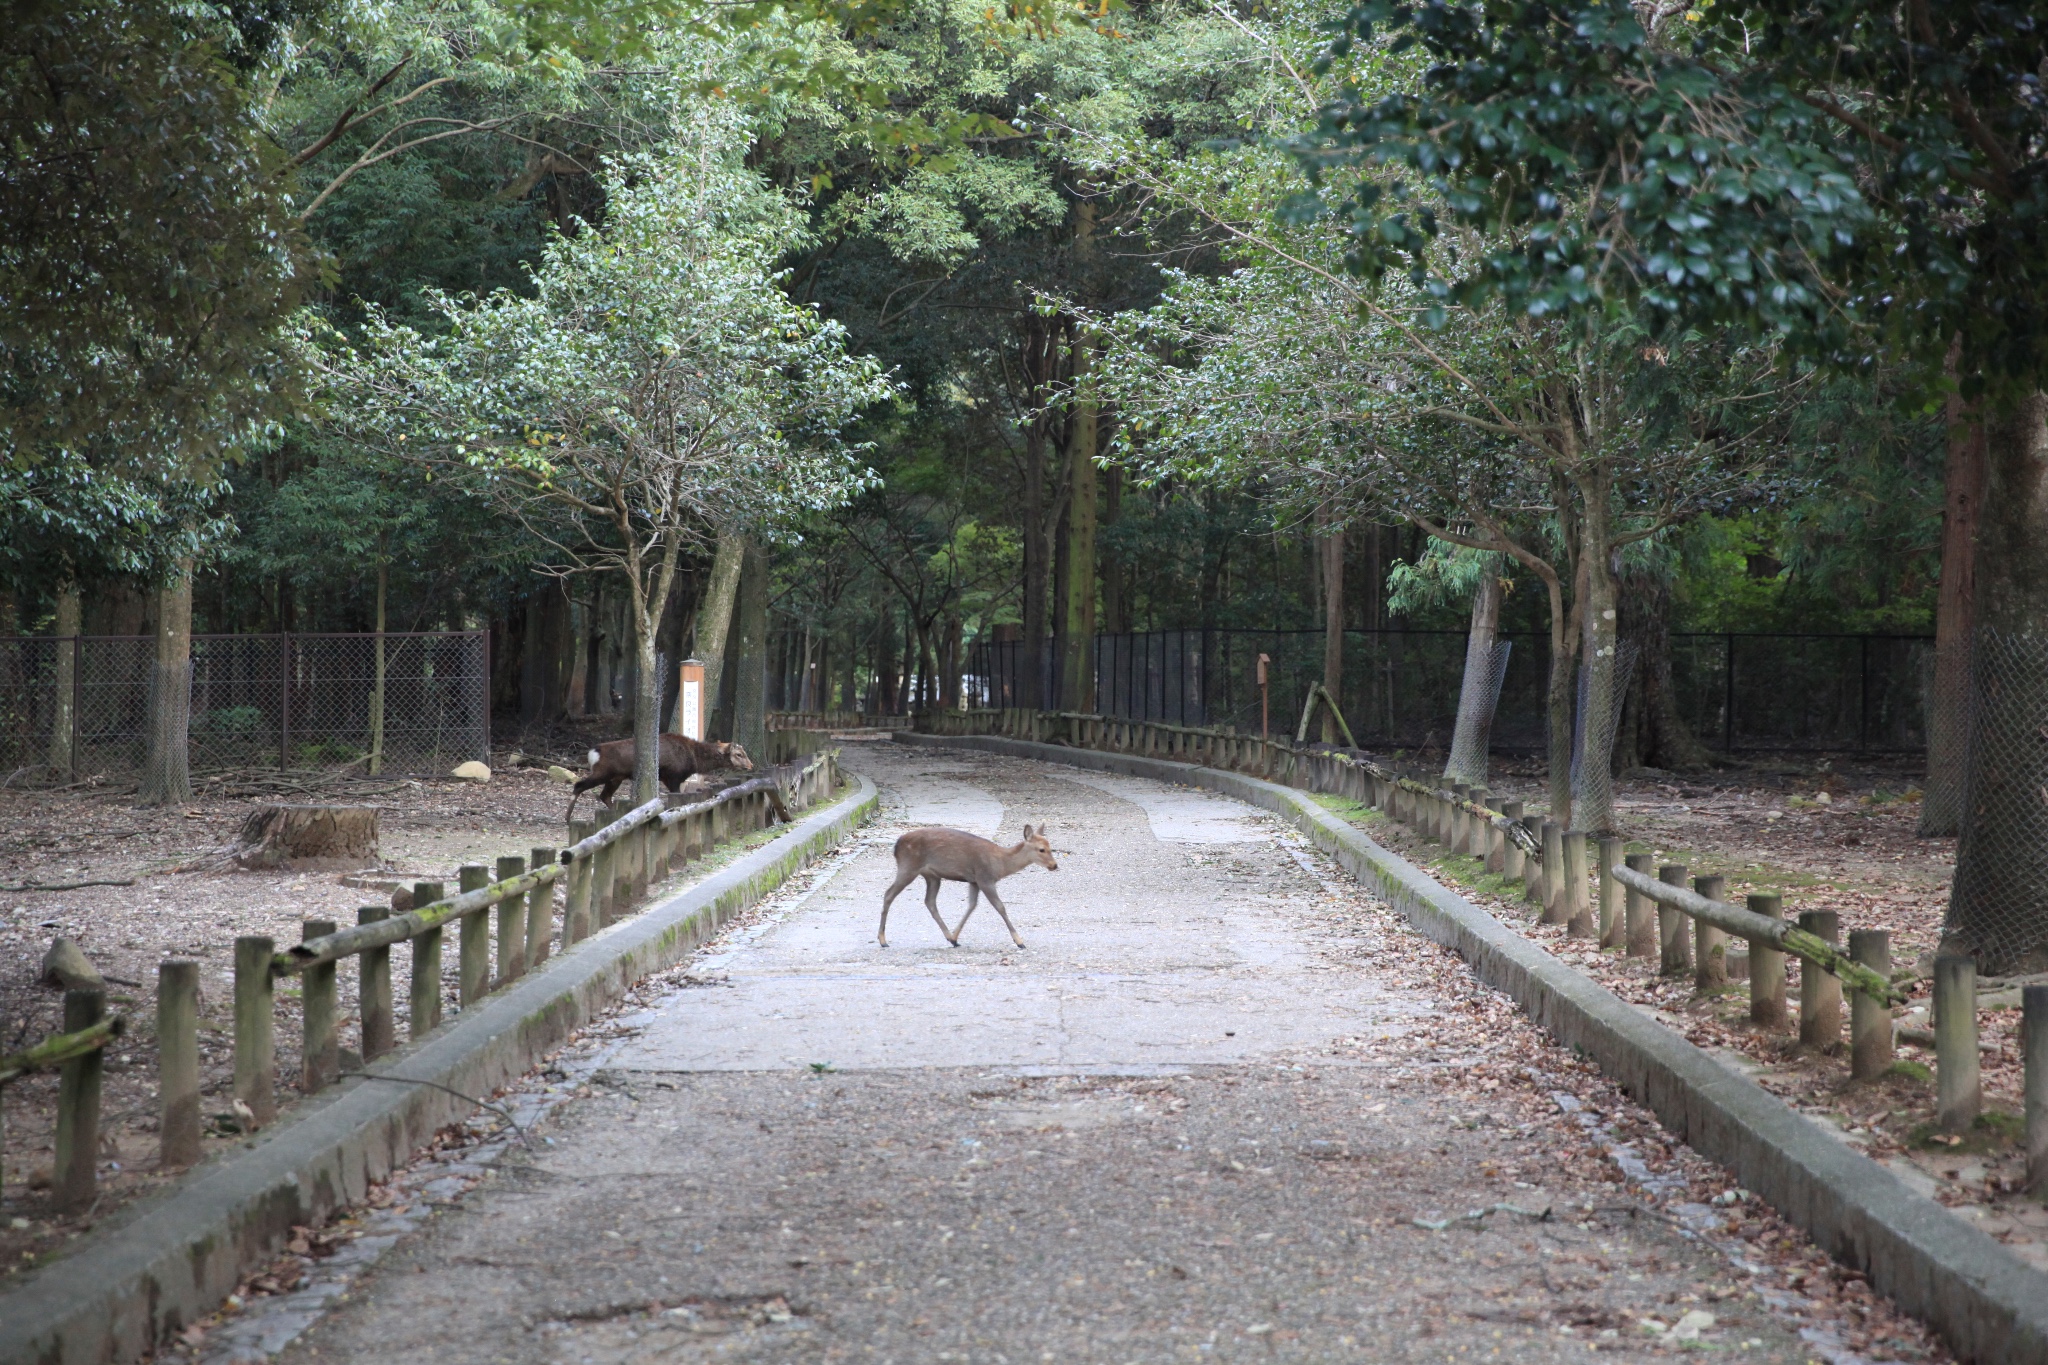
(1986, 1303)
(141, 1278)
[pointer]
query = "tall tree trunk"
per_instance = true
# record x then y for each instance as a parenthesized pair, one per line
(1472, 740)
(1653, 733)
(1331, 543)
(532, 662)
(1558, 705)
(646, 704)
(63, 718)
(956, 660)
(1941, 810)
(1038, 365)
(1058, 697)
(167, 771)
(885, 663)
(1078, 666)
(750, 648)
(1998, 905)
(1599, 624)
(714, 625)
(1116, 607)
(589, 638)
(377, 669)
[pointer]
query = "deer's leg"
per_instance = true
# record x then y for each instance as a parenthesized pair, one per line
(903, 879)
(931, 903)
(973, 894)
(997, 902)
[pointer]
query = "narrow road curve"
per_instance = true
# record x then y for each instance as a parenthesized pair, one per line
(1218, 1108)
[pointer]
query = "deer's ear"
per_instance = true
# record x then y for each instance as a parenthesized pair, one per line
(1027, 831)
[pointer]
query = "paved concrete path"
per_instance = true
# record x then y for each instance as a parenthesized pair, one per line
(1178, 1125)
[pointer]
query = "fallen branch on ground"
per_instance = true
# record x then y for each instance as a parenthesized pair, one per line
(65, 886)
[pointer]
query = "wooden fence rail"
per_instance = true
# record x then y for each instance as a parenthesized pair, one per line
(1554, 866)
(608, 866)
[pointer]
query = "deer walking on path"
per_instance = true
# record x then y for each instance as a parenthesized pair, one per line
(954, 855)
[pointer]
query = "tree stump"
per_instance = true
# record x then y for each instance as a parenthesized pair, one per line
(308, 837)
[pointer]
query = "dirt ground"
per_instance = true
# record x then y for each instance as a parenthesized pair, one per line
(1768, 828)
(427, 830)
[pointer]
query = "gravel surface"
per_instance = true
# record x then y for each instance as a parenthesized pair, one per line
(1416, 1174)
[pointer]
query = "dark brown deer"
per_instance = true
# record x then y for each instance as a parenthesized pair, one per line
(681, 759)
(954, 855)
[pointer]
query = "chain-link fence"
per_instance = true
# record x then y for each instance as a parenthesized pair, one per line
(1402, 687)
(82, 705)
(1999, 902)
(1593, 735)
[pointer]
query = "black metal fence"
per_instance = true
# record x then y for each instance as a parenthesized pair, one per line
(1736, 691)
(81, 704)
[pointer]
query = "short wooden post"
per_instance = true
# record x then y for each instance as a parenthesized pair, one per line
(1820, 994)
(425, 1007)
(1556, 883)
(373, 990)
(1532, 869)
(511, 925)
(576, 906)
(642, 861)
(1491, 839)
(1639, 925)
(1460, 840)
(177, 1062)
(1710, 944)
(319, 1011)
(1479, 831)
(1578, 897)
(1766, 967)
(1608, 850)
(1958, 1087)
(2034, 1041)
(473, 940)
(1675, 956)
(255, 1041)
(540, 909)
(602, 890)
(1512, 860)
(75, 1180)
(1870, 1021)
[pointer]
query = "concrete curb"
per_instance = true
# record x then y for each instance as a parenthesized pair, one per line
(1986, 1304)
(142, 1277)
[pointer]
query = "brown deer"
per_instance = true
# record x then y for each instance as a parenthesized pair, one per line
(681, 759)
(954, 855)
